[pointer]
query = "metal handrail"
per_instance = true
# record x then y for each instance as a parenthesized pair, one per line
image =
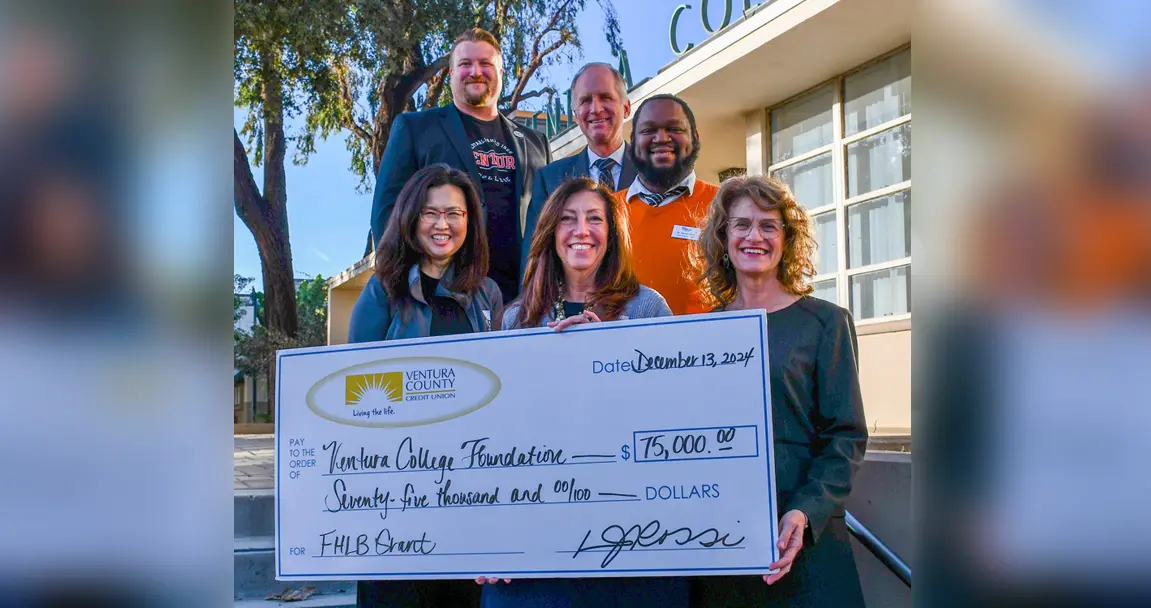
(882, 552)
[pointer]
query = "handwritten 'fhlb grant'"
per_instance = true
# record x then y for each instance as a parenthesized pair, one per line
(554, 474)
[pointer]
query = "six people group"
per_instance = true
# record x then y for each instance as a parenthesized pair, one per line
(474, 229)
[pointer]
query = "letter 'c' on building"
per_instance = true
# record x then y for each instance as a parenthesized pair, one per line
(674, 24)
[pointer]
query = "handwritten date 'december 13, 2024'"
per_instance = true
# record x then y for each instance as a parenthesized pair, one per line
(678, 360)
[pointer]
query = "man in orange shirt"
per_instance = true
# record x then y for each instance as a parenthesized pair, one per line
(666, 203)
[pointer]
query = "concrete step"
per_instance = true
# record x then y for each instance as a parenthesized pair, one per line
(344, 600)
(254, 513)
(255, 576)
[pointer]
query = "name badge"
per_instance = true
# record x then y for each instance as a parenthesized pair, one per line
(685, 232)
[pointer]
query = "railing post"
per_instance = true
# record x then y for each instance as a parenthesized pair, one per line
(882, 552)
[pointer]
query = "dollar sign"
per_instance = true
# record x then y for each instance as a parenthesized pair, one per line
(625, 452)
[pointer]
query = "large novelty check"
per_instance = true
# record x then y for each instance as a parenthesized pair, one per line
(632, 448)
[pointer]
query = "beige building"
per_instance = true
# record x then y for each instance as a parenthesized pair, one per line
(818, 93)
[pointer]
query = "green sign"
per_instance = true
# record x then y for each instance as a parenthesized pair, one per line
(704, 17)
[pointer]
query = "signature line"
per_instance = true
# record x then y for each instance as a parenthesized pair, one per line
(655, 549)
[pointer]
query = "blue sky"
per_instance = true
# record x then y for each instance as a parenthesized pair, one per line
(328, 220)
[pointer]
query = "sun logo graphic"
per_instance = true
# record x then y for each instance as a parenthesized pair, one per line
(373, 390)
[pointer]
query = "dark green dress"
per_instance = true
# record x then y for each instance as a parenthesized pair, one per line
(820, 440)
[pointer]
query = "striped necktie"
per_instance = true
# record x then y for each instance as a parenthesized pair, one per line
(604, 166)
(655, 200)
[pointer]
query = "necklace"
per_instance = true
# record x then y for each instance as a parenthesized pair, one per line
(558, 306)
(558, 313)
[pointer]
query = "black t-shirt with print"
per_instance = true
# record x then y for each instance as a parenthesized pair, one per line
(495, 159)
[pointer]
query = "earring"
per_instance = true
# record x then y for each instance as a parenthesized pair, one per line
(726, 260)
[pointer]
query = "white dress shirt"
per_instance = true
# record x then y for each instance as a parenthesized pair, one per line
(637, 187)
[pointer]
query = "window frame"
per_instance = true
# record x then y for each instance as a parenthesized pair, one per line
(838, 149)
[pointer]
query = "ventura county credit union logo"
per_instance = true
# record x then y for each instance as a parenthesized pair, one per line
(403, 392)
(369, 389)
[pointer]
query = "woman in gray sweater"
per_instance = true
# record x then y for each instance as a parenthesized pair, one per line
(579, 266)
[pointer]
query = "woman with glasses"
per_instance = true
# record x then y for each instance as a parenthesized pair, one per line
(579, 271)
(429, 280)
(431, 265)
(755, 253)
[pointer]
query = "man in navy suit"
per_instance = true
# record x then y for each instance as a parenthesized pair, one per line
(600, 107)
(471, 135)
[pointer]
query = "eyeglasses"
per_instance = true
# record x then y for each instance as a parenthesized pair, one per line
(454, 217)
(741, 227)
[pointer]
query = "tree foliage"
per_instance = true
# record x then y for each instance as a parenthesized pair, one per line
(238, 284)
(312, 307)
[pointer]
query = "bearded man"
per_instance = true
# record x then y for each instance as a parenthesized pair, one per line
(666, 202)
(470, 135)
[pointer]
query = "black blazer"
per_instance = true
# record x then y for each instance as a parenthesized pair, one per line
(550, 177)
(419, 139)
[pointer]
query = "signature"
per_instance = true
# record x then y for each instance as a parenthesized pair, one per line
(616, 539)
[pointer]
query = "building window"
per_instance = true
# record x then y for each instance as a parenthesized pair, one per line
(844, 149)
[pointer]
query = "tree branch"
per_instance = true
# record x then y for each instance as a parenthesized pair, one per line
(530, 95)
(432, 69)
(502, 18)
(245, 193)
(550, 28)
(564, 38)
(529, 71)
(537, 55)
(435, 88)
(348, 118)
(275, 143)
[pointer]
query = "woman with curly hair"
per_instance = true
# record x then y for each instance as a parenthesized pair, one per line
(431, 265)
(755, 252)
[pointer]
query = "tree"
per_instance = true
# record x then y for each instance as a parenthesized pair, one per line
(282, 54)
(397, 69)
(282, 57)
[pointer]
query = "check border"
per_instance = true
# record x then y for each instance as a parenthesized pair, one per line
(758, 315)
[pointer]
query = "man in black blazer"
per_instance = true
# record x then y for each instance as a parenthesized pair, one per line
(600, 106)
(471, 135)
